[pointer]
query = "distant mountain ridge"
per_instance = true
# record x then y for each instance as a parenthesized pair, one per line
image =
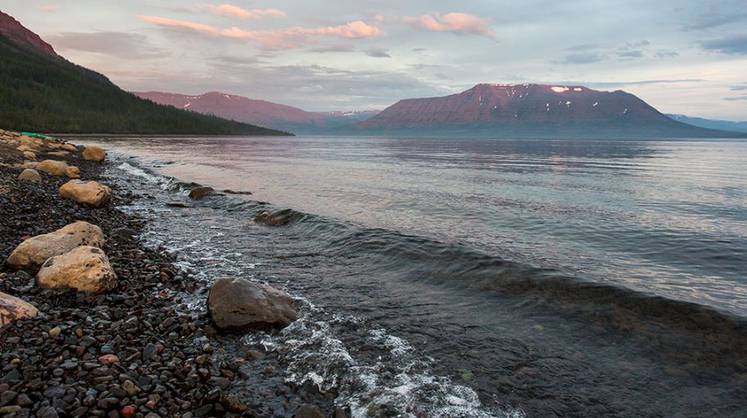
(41, 91)
(531, 110)
(724, 125)
(261, 112)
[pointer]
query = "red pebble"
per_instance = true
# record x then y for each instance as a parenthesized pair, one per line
(129, 411)
(108, 359)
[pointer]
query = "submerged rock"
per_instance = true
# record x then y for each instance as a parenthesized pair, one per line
(35, 251)
(53, 167)
(30, 175)
(12, 308)
(200, 192)
(279, 218)
(85, 269)
(238, 304)
(90, 193)
(94, 153)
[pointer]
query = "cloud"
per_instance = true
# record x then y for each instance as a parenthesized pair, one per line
(47, 8)
(229, 10)
(615, 84)
(378, 53)
(118, 44)
(630, 54)
(666, 54)
(733, 45)
(713, 20)
(459, 23)
(741, 87)
(583, 58)
(289, 38)
(333, 48)
(736, 98)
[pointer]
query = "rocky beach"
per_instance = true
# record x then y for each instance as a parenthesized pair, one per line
(96, 324)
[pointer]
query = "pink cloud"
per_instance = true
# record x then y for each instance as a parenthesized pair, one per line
(229, 10)
(289, 38)
(49, 8)
(460, 23)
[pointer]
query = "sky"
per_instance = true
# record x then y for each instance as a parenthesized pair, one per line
(681, 56)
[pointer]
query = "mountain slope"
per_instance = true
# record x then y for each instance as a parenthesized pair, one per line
(724, 125)
(40, 91)
(259, 112)
(532, 110)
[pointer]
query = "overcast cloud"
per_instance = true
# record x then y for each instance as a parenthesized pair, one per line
(682, 56)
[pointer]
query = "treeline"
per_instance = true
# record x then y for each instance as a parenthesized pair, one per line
(41, 93)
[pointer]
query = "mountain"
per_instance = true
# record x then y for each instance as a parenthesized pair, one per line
(254, 111)
(41, 91)
(531, 110)
(723, 125)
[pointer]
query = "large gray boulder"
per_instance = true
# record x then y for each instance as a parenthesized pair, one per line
(238, 304)
(33, 252)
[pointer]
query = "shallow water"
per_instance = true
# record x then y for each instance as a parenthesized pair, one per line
(559, 278)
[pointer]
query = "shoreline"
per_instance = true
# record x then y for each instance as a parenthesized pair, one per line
(133, 351)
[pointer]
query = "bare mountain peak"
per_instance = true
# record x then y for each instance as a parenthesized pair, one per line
(14, 31)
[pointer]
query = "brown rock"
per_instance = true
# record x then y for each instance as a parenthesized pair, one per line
(31, 175)
(29, 155)
(308, 411)
(85, 269)
(61, 154)
(94, 153)
(69, 147)
(198, 193)
(53, 167)
(278, 218)
(238, 304)
(86, 192)
(33, 252)
(12, 308)
(72, 172)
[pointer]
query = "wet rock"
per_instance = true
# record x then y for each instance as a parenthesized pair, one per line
(30, 175)
(233, 404)
(308, 411)
(89, 193)
(85, 269)
(94, 153)
(12, 308)
(199, 193)
(35, 251)
(238, 304)
(53, 167)
(278, 218)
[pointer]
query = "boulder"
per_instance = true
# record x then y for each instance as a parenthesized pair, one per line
(200, 192)
(90, 193)
(94, 153)
(29, 164)
(29, 155)
(68, 147)
(85, 269)
(278, 218)
(53, 167)
(72, 172)
(61, 154)
(31, 175)
(33, 252)
(308, 411)
(12, 308)
(238, 304)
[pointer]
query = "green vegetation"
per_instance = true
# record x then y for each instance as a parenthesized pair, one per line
(42, 93)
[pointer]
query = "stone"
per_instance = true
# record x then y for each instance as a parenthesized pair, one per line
(61, 154)
(29, 155)
(129, 411)
(89, 193)
(55, 332)
(35, 251)
(199, 193)
(12, 308)
(279, 218)
(72, 172)
(85, 269)
(108, 359)
(53, 167)
(30, 175)
(308, 411)
(69, 147)
(94, 153)
(238, 304)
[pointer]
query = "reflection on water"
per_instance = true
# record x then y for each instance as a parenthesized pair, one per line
(663, 217)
